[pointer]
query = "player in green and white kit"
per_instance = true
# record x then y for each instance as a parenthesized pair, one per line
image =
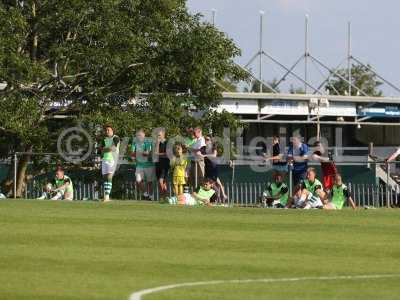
(277, 193)
(61, 188)
(340, 194)
(141, 152)
(109, 148)
(310, 193)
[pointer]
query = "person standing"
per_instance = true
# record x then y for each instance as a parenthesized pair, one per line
(162, 164)
(178, 165)
(298, 156)
(198, 150)
(278, 164)
(141, 152)
(109, 148)
(211, 165)
(328, 166)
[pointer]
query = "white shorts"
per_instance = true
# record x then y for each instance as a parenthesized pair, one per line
(145, 174)
(312, 202)
(107, 167)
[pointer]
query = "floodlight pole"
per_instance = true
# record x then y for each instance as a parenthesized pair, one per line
(306, 52)
(214, 12)
(349, 55)
(261, 50)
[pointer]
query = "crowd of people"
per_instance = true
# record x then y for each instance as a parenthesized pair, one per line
(193, 163)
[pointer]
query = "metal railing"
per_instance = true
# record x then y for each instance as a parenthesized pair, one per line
(245, 194)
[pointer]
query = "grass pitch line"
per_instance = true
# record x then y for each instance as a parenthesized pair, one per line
(140, 294)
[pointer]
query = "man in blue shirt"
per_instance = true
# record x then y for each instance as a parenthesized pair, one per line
(298, 155)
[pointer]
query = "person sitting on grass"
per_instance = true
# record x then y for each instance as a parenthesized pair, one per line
(178, 166)
(60, 189)
(340, 194)
(202, 196)
(276, 194)
(309, 194)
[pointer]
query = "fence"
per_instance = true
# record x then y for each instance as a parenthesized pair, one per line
(380, 190)
(245, 194)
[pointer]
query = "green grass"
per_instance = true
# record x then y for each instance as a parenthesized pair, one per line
(85, 250)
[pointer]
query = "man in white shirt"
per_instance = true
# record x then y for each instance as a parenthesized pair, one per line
(197, 150)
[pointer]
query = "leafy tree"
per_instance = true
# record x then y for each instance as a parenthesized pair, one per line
(91, 58)
(362, 78)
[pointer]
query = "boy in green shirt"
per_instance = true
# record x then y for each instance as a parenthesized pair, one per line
(109, 148)
(141, 152)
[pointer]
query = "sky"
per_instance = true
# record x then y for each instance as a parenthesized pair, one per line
(375, 33)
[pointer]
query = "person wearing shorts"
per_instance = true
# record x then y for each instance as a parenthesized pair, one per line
(162, 164)
(178, 165)
(61, 188)
(141, 151)
(309, 194)
(109, 147)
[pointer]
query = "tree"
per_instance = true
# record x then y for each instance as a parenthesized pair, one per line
(362, 78)
(92, 57)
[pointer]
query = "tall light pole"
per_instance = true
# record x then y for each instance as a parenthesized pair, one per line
(306, 53)
(214, 13)
(261, 49)
(349, 56)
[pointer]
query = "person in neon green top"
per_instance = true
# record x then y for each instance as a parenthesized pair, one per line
(109, 148)
(277, 193)
(310, 193)
(61, 188)
(204, 194)
(340, 194)
(141, 152)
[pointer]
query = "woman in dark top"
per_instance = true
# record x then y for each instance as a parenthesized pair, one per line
(278, 164)
(211, 165)
(162, 164)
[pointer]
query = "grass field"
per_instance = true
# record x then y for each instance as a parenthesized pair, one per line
(86, 250)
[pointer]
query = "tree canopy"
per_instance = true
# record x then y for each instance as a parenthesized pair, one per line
(94, 60)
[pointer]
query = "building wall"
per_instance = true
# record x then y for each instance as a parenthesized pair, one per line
(379, 135)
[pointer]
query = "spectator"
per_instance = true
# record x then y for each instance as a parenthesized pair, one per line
(61, 188)
(178, 165)
(340, 194)
(109, 147)
(328, 166)
(298, 155)
(198, 150)
(278, 164)
(162, 164)
(276, 194)
(211, 165)
(141, 151)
